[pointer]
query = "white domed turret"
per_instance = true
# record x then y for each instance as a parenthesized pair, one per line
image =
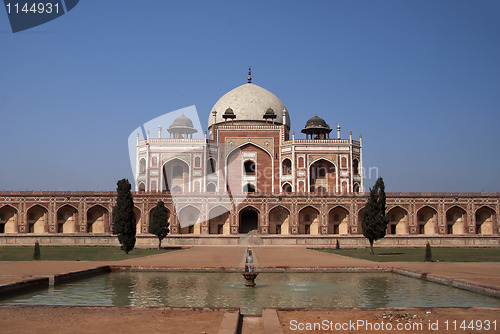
(182, 127)
(249, 102)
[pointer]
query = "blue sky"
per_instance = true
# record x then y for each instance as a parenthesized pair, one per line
(419, 79)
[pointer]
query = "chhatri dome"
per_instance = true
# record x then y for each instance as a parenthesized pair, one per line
(182, 122)
(317, 122)
(317, 128)
(248, 102)
(182, 127)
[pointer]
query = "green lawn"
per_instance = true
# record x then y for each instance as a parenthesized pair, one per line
(440, 254)
(74, 253)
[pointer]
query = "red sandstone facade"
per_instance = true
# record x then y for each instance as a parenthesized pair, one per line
(410, 214)
(246, 174)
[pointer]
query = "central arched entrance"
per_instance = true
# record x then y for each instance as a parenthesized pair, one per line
(249, 220)
(176, 176)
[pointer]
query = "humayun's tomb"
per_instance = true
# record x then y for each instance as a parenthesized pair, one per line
(251, 180)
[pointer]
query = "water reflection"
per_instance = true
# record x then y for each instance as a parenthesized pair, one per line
(120, 291)
(273, 290)
(375, 291)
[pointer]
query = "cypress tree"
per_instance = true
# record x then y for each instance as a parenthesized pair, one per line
(375, 219)
(428, 253)
(159, 222)
(123, 216)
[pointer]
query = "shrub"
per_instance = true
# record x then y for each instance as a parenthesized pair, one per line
(36, 252)
(428, 253)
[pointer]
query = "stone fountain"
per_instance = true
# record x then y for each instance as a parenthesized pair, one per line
(249, 273)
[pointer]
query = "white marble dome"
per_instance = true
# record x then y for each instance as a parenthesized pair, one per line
(249, 102)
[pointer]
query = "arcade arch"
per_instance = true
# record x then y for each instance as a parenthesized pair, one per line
(8, 219)
(485, 217)
(219, 221)
(189, 220)
(309, 221)
(338, 221)
(37, 219)
(398, 221)
(249, 220)
(97, 219)
(279, 218)
(426, 220)
(67, 219)
(455, 220)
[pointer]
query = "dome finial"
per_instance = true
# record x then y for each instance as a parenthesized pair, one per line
(249, 74)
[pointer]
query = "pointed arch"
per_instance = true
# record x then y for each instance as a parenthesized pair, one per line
(248, 219)
(456, 220)
(309, 220)
(287, 188)
(67, 204)
(219, 220)
(142, 166)
(9, 206)
(67, 219)
(142, 187)
(8, 219)
(456, 207)
(176, 174)
(355, 166)
(486, 206)
(38, 204)
(211, 187)
(338, 220)
(242, 147)
(197, 162)
(322, 175)
(238, 168)
(300, 162)
(426, 220)
(485, 218)
(38, 219)
(98, 219)
(189, 220)
(325, 159)
(154, 161)
(286, 167)
(279, 220)
(398, 220)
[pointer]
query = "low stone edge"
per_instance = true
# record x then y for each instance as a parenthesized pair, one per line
(34, 283)
(77, 275)
(490, 290)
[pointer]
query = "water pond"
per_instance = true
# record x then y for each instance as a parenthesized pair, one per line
(298, 290)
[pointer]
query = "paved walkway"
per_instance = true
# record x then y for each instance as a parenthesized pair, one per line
(200, 257)
(15, 271)
(299, 257)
